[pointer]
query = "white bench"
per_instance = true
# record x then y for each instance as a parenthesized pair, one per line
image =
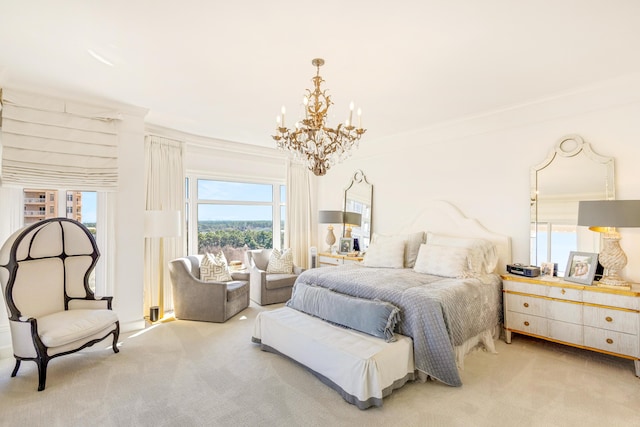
(362, 368)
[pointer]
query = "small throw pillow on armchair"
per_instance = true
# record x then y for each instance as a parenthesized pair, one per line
(214, 268)
(280, 262)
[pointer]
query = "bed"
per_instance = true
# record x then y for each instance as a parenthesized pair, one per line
(446, 309)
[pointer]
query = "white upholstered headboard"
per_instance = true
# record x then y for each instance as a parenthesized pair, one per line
(444, 218)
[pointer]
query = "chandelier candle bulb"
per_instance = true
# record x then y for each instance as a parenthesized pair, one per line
(283, 111)
(360, 118)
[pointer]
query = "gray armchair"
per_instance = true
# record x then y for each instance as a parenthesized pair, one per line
(194, 299)
(268, 288)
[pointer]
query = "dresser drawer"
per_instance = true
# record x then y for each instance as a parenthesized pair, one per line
(526, 304)
(325, 260)
(612, 300)
(565, 293)
(525, 288)
(567, 332)
(564, 311)
(527, 323)
(614, 342)
(610, 319)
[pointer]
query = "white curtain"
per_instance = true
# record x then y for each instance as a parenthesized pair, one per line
(55, 143)
(11, 211)
(298, 224)
(165, 185)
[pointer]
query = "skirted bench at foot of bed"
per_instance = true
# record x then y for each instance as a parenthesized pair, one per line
(362, 368)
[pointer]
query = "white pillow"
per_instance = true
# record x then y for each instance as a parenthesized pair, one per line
(446, 261)
(389, 254)
(280, 262)
(483, 255)
(214, 268)
(412, 244)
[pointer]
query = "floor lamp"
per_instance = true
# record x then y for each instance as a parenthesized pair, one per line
(161, 224)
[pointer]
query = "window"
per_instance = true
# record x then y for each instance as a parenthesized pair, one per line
(234, 216)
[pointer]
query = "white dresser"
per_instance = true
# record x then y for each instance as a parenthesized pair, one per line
(589, 317)
(325, 259)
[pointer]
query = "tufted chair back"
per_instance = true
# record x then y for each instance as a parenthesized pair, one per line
(45, 266)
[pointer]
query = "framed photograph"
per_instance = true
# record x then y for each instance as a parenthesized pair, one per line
(581, 267)
(346, 245)
(549, 268)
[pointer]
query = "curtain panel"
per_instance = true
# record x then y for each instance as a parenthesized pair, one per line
(54, 143)
(298, 224)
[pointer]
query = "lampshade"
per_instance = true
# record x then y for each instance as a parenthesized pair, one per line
(162, 224)
(353, 219)
(598, 214)
(330, 217)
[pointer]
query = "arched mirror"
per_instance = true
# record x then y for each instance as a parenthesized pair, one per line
(572, 172)
(358, 197)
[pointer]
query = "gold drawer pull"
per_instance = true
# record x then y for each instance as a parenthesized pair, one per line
(526, 323)
(563, 292)
(609, 341)
(608, 319)
(526, 304)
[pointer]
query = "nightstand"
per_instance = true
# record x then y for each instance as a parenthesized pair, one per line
(589, 317)
(325, 259)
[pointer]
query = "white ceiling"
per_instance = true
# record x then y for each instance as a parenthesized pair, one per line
(223, 69)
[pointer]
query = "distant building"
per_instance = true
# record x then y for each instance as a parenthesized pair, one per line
(43, 204)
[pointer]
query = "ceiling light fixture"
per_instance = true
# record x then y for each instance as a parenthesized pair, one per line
(312, 141)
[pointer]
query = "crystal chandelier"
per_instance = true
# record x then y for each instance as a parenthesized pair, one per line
(312, 141)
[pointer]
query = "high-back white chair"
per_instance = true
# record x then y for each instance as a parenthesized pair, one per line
(44, 273)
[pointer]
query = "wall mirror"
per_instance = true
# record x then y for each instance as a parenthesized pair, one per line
(358, 197)
(572, 172)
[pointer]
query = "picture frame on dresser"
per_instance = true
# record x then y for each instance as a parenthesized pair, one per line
(346, 245)
(581, 267)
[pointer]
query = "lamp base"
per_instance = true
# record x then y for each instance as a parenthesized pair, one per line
(614, 282)
(613, 259)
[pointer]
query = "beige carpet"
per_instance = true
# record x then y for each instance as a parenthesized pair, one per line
(183, 373)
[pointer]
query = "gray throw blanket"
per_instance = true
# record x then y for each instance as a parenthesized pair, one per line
(437, 313)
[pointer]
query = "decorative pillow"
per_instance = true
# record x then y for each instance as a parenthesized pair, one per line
(412, 244)
(446, 261)
(280, 262)
(386, 255)
(483, 255)
(213, 268)
(373, 317)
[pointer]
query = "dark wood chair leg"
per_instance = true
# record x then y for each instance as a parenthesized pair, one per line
(42, 372)
(15, 370)
(116, 334)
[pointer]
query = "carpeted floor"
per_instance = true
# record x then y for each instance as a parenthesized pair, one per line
(182, 373)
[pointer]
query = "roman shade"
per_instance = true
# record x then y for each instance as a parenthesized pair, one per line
(55, 143)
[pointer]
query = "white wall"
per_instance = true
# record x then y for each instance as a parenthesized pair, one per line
(481, 164)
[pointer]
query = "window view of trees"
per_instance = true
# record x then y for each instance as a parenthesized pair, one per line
(234, 217)
(216, 235)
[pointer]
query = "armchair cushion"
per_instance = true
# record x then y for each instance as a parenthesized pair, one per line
(68, 326)
(277, 281)
(214, 268)
(236, 289)
(280, 262)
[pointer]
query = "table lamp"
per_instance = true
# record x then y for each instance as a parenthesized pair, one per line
(605, 216)
(351, 219)
(330, 217)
